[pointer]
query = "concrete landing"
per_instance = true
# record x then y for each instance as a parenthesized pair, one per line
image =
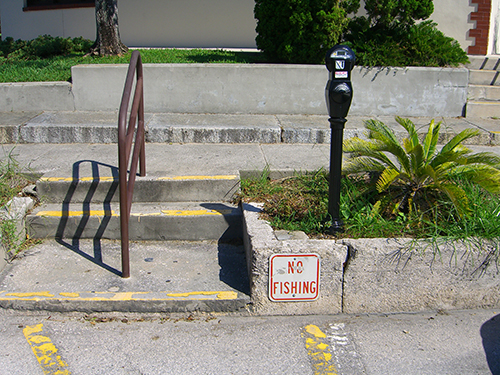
(170, 276)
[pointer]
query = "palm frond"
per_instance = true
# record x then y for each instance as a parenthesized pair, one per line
(486, 176)
(378, 130)
(456, 155)
(457, 197)
(359, 147)
(412, 132)
(362, 164)
(431, 140)
(487, 158)
(387, 177)
(459, 138)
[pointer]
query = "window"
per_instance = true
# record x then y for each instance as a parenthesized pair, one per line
(57, 4)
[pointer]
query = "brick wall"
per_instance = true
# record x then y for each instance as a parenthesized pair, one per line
(481, 31)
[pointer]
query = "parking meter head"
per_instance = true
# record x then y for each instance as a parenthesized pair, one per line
(340, 61)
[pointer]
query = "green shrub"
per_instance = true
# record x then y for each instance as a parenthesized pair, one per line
(403, 12)
(298, 31)
(417, 45)
(42, 47)
(389, 36)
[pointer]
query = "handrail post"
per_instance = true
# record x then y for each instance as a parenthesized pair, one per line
(138, 154)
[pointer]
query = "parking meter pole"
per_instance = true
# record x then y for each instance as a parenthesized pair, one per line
(339, 61)
(337, 135)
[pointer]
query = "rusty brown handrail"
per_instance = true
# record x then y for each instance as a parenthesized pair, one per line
(125, 140)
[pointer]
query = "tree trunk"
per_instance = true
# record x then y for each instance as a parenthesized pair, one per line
(108, 36)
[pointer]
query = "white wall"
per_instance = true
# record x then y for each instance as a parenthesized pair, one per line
(187, 23)
(61, 22)
(453, 19)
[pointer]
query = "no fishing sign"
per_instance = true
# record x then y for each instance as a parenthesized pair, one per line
(294, 277)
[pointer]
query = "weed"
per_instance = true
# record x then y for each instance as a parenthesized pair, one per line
(12, 181)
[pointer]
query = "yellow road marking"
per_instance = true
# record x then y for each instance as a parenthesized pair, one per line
(77, 213)
(69, 295)
(31, 294)
(217, 177)
(45, 351)
(317, 350)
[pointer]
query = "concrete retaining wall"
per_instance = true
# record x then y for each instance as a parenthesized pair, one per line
(274, 89)
(248, 89)
(376, 275)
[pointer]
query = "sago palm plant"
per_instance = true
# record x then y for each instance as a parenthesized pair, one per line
(410, 177)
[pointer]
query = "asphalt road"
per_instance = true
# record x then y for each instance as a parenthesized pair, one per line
(436, 342)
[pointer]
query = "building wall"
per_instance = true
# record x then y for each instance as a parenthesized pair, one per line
(190, 23)
(187, 23)
(453, 19)
(60, 22)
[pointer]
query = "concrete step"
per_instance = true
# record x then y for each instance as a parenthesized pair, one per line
(149, 221)
(483, 93)
(484, 109)
(484, 63)
(146, 189)
(484, 77)
(167, 276)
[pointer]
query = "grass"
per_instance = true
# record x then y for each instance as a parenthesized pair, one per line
(12, 181)
(58, 68)
(300, 202)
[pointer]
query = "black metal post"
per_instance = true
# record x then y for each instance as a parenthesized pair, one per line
(337, 130)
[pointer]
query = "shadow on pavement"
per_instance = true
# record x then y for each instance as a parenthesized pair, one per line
(60, 236)
(490, 333)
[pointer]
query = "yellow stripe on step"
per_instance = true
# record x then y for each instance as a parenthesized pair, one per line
(217, 177)
(69, 179)
(196, 212)
(76, 213)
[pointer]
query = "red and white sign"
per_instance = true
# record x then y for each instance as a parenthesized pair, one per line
(294, 277)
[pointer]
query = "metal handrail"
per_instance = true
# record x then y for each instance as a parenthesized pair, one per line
(125, 141)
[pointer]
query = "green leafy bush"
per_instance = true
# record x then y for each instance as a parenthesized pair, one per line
(43, 46)
(403, 12)
(417, 45)
(298, 31)
(389, 36)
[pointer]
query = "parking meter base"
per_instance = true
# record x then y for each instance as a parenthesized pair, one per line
(336, 227)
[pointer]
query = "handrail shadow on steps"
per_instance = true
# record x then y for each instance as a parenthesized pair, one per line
(127, 156)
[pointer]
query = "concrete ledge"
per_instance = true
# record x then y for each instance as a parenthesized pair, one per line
(36, 96)
(398, 275)
(376, 275)
(261, 244)
(274, 89)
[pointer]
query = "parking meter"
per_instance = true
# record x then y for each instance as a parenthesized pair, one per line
(339, 62)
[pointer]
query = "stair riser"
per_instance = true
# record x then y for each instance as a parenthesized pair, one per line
(103, 133)
(483, 110)
(144, 191)
(143, 228)
(482, 93)
(484, 63)
(484, 77)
